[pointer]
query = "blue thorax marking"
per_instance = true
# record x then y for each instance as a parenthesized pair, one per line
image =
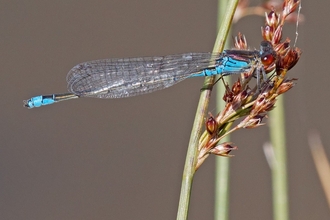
(225, 66)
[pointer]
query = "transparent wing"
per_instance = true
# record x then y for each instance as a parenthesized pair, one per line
(118, 78)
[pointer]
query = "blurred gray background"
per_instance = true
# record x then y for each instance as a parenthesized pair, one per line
(123, 159)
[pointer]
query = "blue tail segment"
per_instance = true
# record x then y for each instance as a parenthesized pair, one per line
(38, 101)
(42, 100)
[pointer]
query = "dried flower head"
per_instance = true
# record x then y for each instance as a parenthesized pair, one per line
(252, 103)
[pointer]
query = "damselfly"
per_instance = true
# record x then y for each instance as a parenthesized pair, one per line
(126, 77)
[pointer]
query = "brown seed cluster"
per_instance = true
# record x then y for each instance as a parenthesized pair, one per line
(247, 104)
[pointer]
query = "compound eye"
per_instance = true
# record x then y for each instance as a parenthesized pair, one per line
(267, 59)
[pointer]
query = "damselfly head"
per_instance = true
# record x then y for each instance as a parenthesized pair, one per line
(267, 54)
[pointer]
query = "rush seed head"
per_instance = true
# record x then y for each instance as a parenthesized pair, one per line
(249, 102)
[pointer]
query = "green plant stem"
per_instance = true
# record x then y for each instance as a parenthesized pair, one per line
(279, 164)
(221, 197)
(191, 158)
